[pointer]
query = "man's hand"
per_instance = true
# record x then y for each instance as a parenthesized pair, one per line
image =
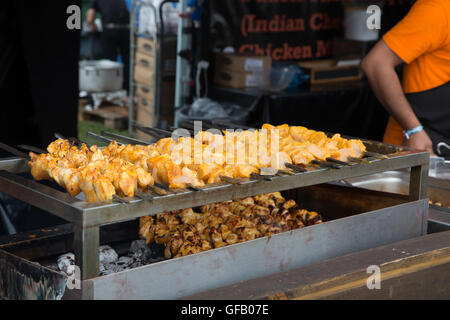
(419, 141)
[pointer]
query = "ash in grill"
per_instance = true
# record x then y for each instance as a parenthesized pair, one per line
(139, 254)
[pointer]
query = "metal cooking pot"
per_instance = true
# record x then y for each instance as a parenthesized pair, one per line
(100, 75)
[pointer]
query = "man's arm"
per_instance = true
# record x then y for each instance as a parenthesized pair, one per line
(379, 67)
(90, 18)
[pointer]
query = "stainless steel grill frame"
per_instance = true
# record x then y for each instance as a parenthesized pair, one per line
(88, 217)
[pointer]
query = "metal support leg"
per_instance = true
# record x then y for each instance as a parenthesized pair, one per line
(418, 182)
(86, 243)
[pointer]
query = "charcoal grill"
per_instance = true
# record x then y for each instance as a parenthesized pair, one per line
(88, 217)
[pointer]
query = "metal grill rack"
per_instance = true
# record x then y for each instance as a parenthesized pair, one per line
(88, 217)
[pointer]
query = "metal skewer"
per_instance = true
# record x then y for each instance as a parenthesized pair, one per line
(190, 186)
(342, 163)
(153, 131)
(374, 155)
(289, 172)
(260, 176)
(161, 186)
(14, 151)
(295, 167)
(325, 164)
(59, 136)
(120, 199)
(101, 138)
(144, 196)
(182, 127)
(158, 190)
(230, 125)
(71, 140)
(31, 148)
(230, 180)
(124, 138)
(358, 160)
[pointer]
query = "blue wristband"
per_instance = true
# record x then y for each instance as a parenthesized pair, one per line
(409, 133)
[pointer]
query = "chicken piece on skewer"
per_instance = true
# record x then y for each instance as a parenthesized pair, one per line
(41, 165)
(283, 130)
(165, 145)
(347, 148)
(137, 154)
(124, 179)
(93, 153)
(63, 149)
(62, 171)
(67, 178)
(184, 178)
(208, 173)
(166, 171)
(299, 154)
(244, 170)
(94, 185)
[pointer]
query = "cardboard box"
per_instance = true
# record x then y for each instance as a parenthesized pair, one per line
(146, 46)
(242, 71)
(144, 61)
(144, 114)
(242, 63)
(144, 75)
(328, 71)
(143, 91)
(146, 101)
(241, 80)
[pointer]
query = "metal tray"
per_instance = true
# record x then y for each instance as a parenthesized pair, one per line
(360, 220)
(398, 182)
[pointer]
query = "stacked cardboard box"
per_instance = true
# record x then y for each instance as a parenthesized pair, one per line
(145, 77)
(242, 71)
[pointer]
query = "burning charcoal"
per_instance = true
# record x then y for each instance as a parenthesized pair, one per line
(140, 250)
(123, 263)
(66, 263)
(106, 254)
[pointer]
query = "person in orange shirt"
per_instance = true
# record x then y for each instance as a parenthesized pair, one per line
(420, 106)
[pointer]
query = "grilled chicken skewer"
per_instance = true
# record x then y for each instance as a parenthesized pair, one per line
(121, 169)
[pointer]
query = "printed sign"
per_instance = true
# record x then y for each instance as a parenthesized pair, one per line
(282, 29)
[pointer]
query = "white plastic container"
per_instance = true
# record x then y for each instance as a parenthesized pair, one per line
(100, 76)
(281, 77)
